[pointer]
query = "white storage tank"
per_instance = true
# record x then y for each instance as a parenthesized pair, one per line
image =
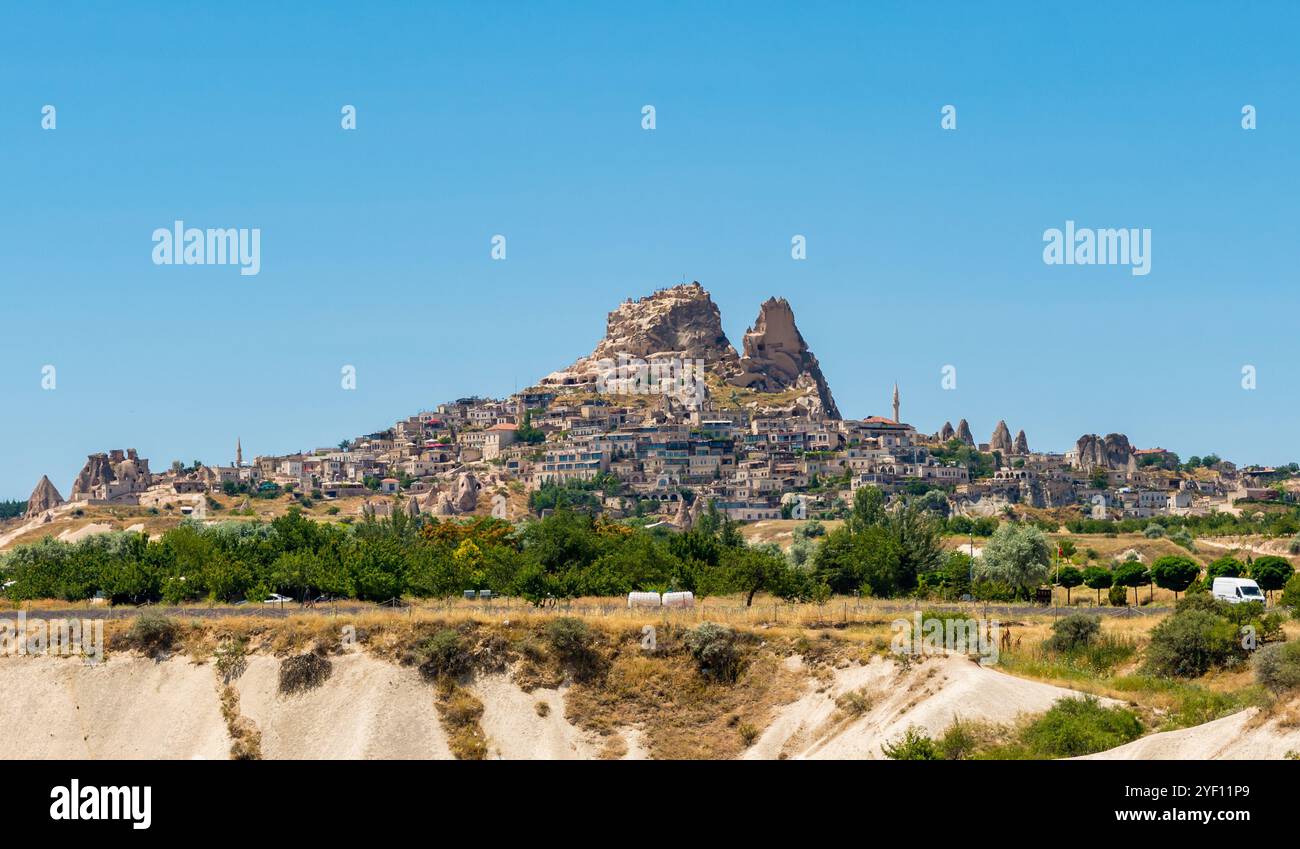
(682, 599)
(643, 600)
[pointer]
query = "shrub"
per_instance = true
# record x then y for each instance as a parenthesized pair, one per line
(304, 672)
(1183, 537)
(1277, 666)
(152, 634)
(914, 745)
(1075, 631)
(1153, 531)
(1291, 595)
(1076, 727)
(443, 656)
(231, 659)
(1117, 596)
(1192, 642)
(574, 644)
(715, 650)
(569, 637)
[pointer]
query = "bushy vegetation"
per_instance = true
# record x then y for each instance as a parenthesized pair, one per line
(566, 555)
(1076, 631)
(1072, 727)
(152, 634)
(879, 551)
(12, 509)
(1017, 556)
(715, 650)
(1277, 667)
(1076, 727)
(304, 672)
(443, 655)
(1205, 634)
(1279, 520)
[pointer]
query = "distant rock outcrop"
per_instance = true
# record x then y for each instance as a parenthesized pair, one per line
(676, 335)
(1021, 445)
(44, 497)
(1001, 438)
(777, 358)
(680, 322)
(466, 497)
(1112, 451)
(964, 434)
(96, 473)
(946, 432)
(683, 518)
(111, 475)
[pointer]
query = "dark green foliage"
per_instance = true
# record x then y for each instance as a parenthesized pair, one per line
(1174, 572)
(1225, 567)
(152, 634)
(1097, 578)
(1075, 631)
(304, 672)
(1068, 577)
(880, 551)
(914, 745)
(716, 651)
(1192, 642)
(1271, 572)
(443, 655)
(1076, 727)
(1277, 667)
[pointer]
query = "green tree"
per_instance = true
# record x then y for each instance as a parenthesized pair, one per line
(1131, 574)
(1097, 578)
(1068, 577)
(1271, 572)
(1016, 555)
(1175, 572)
(1225, 567)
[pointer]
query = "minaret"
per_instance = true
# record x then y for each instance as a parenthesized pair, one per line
(896, 418)
(239, 454)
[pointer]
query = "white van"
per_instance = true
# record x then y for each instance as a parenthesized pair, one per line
(1237, 590)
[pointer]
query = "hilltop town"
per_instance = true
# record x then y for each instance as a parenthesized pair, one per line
(665, 417)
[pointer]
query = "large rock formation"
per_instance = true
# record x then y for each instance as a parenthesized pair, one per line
(44, 497)
(680, 322)
(1021, 445)
(97, 472)
(1112, 451)
(946, 432)
(777, 358)
(466, 493)
(964, 434)
(683, 518)
(667, 342)
(1001, 438)
(113, 475)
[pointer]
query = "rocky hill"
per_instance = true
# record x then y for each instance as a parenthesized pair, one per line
(682, 324)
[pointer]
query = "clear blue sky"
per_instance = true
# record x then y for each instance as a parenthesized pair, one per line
(524, 119)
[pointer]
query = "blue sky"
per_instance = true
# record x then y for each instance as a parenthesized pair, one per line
(924, 246)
